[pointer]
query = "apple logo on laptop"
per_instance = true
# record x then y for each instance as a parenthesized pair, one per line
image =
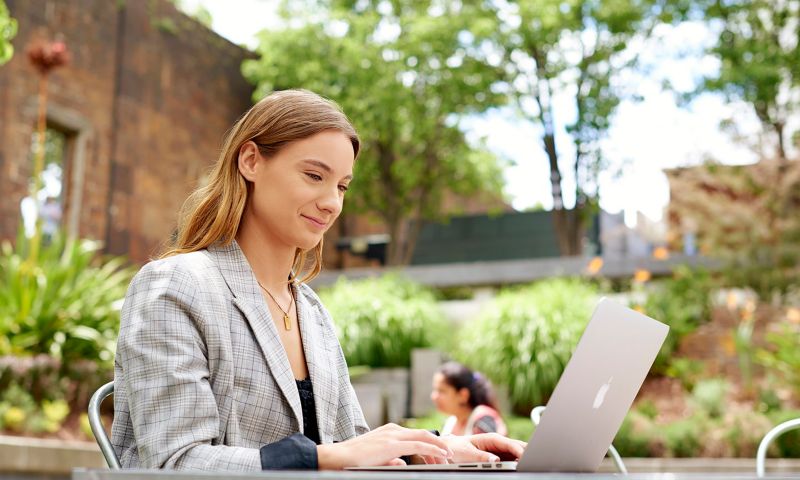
(601, 394)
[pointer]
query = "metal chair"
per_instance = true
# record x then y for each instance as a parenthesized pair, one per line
(761, 455)
(97, 425)
(536, 416)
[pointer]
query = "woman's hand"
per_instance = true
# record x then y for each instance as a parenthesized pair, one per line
(484, 447)
(383, 446)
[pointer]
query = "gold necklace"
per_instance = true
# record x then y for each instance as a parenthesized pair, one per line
(287, 323)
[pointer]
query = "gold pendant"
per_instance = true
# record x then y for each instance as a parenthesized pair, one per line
(287, 324)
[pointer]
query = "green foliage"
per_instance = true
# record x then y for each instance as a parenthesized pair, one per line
(788, 444)
(380, 320)
(647, 408)
(745, 216)
(682, 438)
(435, 421)
(405, 78)
(683, 302)
(758, 53)
(519, 427)
(524, 338)
(455, 293)
(20, 413)
(634, 436)
(742, 431)
(65, 303)
(709, 396)
(555, 47)
(8, 30)
(687, 370)
(782, 355)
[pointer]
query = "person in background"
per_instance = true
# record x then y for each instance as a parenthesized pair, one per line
(468, 398)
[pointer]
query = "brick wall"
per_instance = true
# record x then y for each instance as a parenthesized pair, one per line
(148, 96)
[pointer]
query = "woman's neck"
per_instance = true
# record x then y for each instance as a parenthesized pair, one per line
(462, 415)
(270, 259)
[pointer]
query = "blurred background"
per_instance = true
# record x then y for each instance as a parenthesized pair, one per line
(521, 159)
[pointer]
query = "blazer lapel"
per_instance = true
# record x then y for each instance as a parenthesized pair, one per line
(248, 299)
(321, 365)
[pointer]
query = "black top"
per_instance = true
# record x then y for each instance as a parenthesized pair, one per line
(310, 428)
(297, 451)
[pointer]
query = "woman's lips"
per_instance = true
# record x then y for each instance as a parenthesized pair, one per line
(315, 222)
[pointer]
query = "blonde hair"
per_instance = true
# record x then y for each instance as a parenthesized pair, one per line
(212, 213)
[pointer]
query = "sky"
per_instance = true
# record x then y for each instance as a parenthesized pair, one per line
(645, 137)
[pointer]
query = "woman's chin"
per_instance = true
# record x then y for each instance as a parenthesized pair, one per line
(307, 244)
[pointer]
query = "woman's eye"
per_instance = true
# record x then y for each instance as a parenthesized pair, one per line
(343, 188)
(314, 176)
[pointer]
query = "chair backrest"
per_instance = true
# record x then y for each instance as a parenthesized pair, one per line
(97, 425)
(761, 455)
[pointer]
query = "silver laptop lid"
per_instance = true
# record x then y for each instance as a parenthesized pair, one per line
(595, 391)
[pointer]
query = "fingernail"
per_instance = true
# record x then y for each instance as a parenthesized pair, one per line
(445, 453)
(494, 459)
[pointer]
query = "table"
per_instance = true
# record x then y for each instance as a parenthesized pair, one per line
(103, 474)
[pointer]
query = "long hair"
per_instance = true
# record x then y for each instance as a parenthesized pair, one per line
(480, 389)
(212, 213)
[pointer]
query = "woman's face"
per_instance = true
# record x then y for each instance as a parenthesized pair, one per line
(446, 398)
(298, 193)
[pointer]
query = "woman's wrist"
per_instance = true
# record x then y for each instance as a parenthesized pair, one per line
(327, 458)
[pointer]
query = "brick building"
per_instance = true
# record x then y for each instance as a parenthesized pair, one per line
(139, 113)
(135, 120)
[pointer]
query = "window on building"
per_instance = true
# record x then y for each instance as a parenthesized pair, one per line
(53, 196)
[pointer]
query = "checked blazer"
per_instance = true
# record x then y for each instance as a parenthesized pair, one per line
(201, 379)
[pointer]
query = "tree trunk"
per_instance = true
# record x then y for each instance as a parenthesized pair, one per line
(569, 231)
(778, 126)
(395, 248)
(341, 232)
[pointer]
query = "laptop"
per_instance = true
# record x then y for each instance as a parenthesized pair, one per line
(591, 399)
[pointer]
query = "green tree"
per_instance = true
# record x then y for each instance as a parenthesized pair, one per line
(577, 47)
(8, 30)
(405, 72)
(759, 61)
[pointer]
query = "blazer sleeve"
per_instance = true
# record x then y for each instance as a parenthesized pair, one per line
(163, 354)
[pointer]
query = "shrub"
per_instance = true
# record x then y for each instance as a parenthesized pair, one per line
(781, 355)
(59, 317)
(648, 408)
(20, 413)
(687, 370)
(684, 303)
(524, 338)
(63, 303)
(379, 321)
(746, 216)
(744, 430)
(519, 427)
(709, 396)
(682, 437)
(635, 435)
(788, 444)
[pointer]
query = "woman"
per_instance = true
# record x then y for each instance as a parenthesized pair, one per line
(226, 360)
(468, 398)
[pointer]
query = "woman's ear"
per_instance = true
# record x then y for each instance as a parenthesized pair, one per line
(248, 160)
(463, 395)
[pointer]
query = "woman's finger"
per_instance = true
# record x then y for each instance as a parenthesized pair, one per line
(411, 447)
(424, 436)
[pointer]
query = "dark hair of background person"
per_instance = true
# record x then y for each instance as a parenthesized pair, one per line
(480, 389)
